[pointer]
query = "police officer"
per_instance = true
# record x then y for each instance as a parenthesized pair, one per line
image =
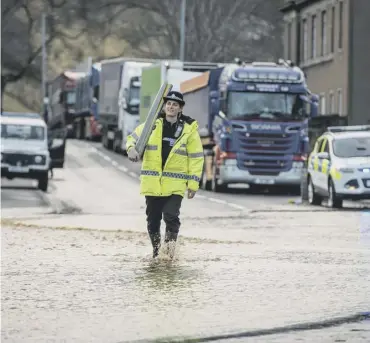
(172, 163)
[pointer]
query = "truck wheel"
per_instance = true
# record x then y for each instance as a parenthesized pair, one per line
(214, 185)
(82, 129)
(206, 184)
(117, 142)
(43, 182)
(107, 143)
(116, 145)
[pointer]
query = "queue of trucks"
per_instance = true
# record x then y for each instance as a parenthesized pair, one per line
(253, 117)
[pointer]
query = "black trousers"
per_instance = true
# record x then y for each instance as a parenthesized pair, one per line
(169, 208)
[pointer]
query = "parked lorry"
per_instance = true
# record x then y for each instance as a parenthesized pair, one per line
(253, 121)
(115, 73)
(128, 102)
(85, 124)
(62, 100)
(173, 72)
(59, 110)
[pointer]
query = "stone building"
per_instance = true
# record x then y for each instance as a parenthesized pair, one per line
(330, 41)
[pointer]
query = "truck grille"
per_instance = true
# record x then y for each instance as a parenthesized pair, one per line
(266, 153)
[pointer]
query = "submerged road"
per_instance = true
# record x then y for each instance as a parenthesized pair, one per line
(248, 268)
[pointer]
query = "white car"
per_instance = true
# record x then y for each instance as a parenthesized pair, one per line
(339, 166)
(24, 149)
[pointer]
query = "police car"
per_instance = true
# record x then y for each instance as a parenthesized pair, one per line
(24, 149)
(339, 166)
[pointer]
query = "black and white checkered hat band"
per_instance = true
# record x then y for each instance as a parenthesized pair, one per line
(174, 97)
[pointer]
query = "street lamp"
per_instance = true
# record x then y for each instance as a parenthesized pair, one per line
(182, 30)
(44, 58)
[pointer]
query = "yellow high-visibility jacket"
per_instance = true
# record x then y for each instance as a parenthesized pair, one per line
(184, 165)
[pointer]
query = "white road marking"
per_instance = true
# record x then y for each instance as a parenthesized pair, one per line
(115, 164)
(107, 158)
(219, 201)
(238, 207)
(124, 169)
(133, 174)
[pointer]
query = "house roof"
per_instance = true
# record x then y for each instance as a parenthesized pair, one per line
(297, 5)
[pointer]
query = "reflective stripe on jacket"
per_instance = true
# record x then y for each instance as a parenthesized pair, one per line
(183, 168)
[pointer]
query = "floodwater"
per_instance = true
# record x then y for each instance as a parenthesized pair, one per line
(91, 286)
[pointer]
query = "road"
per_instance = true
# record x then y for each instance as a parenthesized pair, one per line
(236, 196)
(247, 269)
(20, 194)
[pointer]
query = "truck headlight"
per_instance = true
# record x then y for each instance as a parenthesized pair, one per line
(38, 159)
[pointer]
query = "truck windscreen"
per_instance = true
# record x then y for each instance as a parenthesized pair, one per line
(134, 95)
(272, 105)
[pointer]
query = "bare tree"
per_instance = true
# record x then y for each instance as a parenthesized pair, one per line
(21, 44)
(68, 21)
(217, 30)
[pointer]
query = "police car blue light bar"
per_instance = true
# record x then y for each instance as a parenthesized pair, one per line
(353, 128)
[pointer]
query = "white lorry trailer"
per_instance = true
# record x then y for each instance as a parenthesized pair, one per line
(109, 97)
(173, 72)
(128, 103)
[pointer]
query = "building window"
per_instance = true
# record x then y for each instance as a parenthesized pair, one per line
(323, 33)
(332, 103)
(322, 104)
(340, 102)
(304, 40)
(313, 37)
(340, 34)
(332, 40)
(289, 41)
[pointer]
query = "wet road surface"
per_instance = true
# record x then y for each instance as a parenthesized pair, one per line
(18, 193)
(88, 276)
(238, 194)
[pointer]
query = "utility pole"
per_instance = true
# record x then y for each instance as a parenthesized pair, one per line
(182, 30)
(44, 60)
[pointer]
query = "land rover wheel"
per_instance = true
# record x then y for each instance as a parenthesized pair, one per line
(43, 182)
(313, 197)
